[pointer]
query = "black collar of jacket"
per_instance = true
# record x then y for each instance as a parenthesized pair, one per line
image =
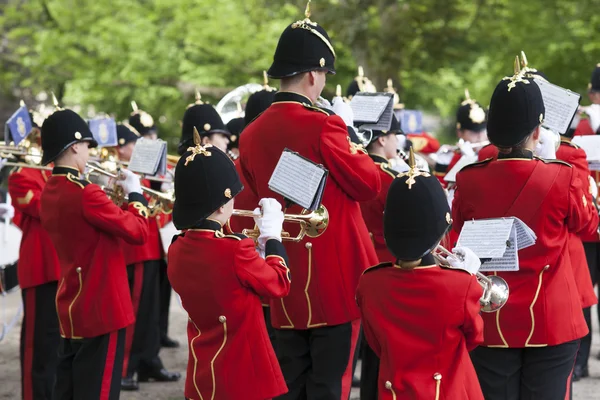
(285, 97)
(208, 224)
(377, 158)
(58, 170)
(517, 153)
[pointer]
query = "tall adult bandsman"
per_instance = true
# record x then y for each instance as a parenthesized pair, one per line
(317, 324)
(529, 345)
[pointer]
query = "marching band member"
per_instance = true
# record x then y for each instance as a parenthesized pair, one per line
(529, 345)
(591, 125)
(143, 123)
(38, 272)
(317, 325)
(209, 124)
(234, 127)
(93, 301)
(220, 279)
(141, 361)
(421, 319)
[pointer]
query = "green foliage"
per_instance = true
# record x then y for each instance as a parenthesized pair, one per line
(109, 52)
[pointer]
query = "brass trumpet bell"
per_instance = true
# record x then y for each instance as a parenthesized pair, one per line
(312, 224)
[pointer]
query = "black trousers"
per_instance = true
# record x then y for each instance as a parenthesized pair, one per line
(369, 372)
(90, 368)
(40, 337)
(143, 337)
(592, 255)
(317, 363)
(534, 373)
(270, 329)
(165, 298)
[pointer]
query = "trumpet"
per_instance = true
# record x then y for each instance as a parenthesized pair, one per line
(159, 201)
(312, 224)
(495, 289)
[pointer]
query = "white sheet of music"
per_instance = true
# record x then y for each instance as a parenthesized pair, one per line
(525, 235)
(147, 157)
(486, 237)
(369, 107)
(297, 179)
(509, 260)
(463, 162)
(561, 105)
(591, 145)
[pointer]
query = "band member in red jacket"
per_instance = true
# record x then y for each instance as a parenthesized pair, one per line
(529, 345)
(317, 325)
(591, 125)
(220, 279)
(142, 362)
(421, 358)
(93, 301)
(38, 272)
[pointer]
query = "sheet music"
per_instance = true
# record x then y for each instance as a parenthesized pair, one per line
(591, 145)
(525, 236)
(369, 107)
(463, 162)
(148, 156)
(486, 237)
(297, 179)
(561, 105)
(509, 260)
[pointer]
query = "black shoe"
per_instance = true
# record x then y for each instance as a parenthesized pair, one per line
(160, 375)
(579, 372)
(129, 383)
(355, 382)
(168, 342)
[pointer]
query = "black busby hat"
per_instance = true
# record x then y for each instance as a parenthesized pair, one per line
(416, 215)
(235, 127)
(394, 129)
(204, 118)
(62, 129)
(141, 120)
(257, 103)
(470, 115)
(594, 85)
(303, 46)
(360, 84)
(205, 179)
(516, 109)
(126, 134)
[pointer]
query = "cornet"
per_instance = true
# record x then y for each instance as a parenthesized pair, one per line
(312, 224)
(495, 289)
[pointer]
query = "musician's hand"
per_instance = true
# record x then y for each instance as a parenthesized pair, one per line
(593, 111)
(129, 181)
(269, 221)
(343, 109)
(466, 149)
(464, 258)
(6, 211)
(546, 147)
(323, 103)
(444, 155)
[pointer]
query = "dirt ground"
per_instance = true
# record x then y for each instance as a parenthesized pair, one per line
(176, 359)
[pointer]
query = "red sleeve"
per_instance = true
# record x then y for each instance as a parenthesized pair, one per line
(130, 225)
(473, 324)
(581, 213)
(351, 168)
(269, 277)
(584, 128)
(580, 164)
(25, 194)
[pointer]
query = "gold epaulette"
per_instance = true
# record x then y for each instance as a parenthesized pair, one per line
(236, 236)
(553, 161)
(569, 143)
(478, 163)
(82, 183)
(385, 167)
(315, 108)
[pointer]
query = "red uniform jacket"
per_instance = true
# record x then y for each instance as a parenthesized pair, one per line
(424, 142)
(489, 151)
(85, 227)
(220, 279)
(584, 128)
(38, 262)
(544, 307)
(372, 210)
(576, 156)
(422, 323)
(325, 269)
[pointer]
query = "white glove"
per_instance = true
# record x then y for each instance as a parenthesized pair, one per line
(443, 156)
(166, 186)
(466, 149)
(546, 147)
(269, 221)
(421, 163)
(6, 211)
(464, 258)
(593, 112)
(593, 187)
(129, 181)
(323, 103)
(2, 162)
(398, 164)
(343, 109)
(400, 142)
